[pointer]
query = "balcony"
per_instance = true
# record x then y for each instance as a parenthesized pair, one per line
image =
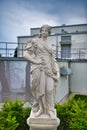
(10, 49)
(66, 42)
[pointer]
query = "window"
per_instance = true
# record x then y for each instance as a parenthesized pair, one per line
(66, 47)
(66, 51)
(65, 38)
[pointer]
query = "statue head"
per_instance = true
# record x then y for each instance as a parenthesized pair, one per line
(46, 27)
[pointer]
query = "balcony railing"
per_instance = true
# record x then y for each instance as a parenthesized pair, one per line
(65, 42)
(9, 49)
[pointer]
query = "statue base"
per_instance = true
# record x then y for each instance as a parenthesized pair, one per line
(44, 122)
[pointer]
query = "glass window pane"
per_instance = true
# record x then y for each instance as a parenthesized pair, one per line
(65, 51)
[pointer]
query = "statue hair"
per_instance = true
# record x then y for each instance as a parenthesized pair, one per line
(48, 28)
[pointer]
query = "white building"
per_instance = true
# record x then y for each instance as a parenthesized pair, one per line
(68, 41)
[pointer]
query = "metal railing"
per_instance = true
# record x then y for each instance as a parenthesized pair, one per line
(10, 49)
(7, 49)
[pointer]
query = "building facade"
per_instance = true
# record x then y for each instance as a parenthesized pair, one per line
(68, 41)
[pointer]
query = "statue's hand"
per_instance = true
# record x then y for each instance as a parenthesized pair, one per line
(40, 62)
(55, 78)
(43, 61)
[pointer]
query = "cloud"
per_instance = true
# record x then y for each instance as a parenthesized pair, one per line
(76, 20)
(15, 23)
(17, 17)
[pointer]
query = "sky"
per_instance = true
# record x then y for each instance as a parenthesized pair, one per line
(18, 16)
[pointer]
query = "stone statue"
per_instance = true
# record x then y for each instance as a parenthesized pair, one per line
(45, 73)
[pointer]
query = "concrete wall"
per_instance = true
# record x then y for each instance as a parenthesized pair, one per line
(79, 41)
(15, 79)
(78, 80)
(63, 84)
(78, 45)
(67, 28)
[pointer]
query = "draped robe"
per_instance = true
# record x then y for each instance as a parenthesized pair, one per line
(40, 73)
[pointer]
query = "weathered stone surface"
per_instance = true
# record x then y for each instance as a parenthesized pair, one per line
(43, 123)
(45, 75)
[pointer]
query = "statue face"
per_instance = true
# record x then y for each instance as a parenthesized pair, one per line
(44, 32)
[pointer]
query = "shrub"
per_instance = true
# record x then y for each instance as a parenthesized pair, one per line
(13, 116)
(63, 114)
(73, 115)
(9, 123)
(79, 113)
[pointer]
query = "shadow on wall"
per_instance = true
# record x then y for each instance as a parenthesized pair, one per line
(15, 80)
(27, 83)
(4, 80)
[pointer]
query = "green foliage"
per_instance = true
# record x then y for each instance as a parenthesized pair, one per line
(13, 116)
(79, 114)
(73, 115)
(9, 123)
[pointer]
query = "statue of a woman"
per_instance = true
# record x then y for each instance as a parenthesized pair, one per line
(44, 72)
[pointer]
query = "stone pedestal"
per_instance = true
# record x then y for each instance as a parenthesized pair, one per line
(43, 122)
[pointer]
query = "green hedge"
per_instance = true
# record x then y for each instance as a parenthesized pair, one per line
(13, 116)
(73, 115)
